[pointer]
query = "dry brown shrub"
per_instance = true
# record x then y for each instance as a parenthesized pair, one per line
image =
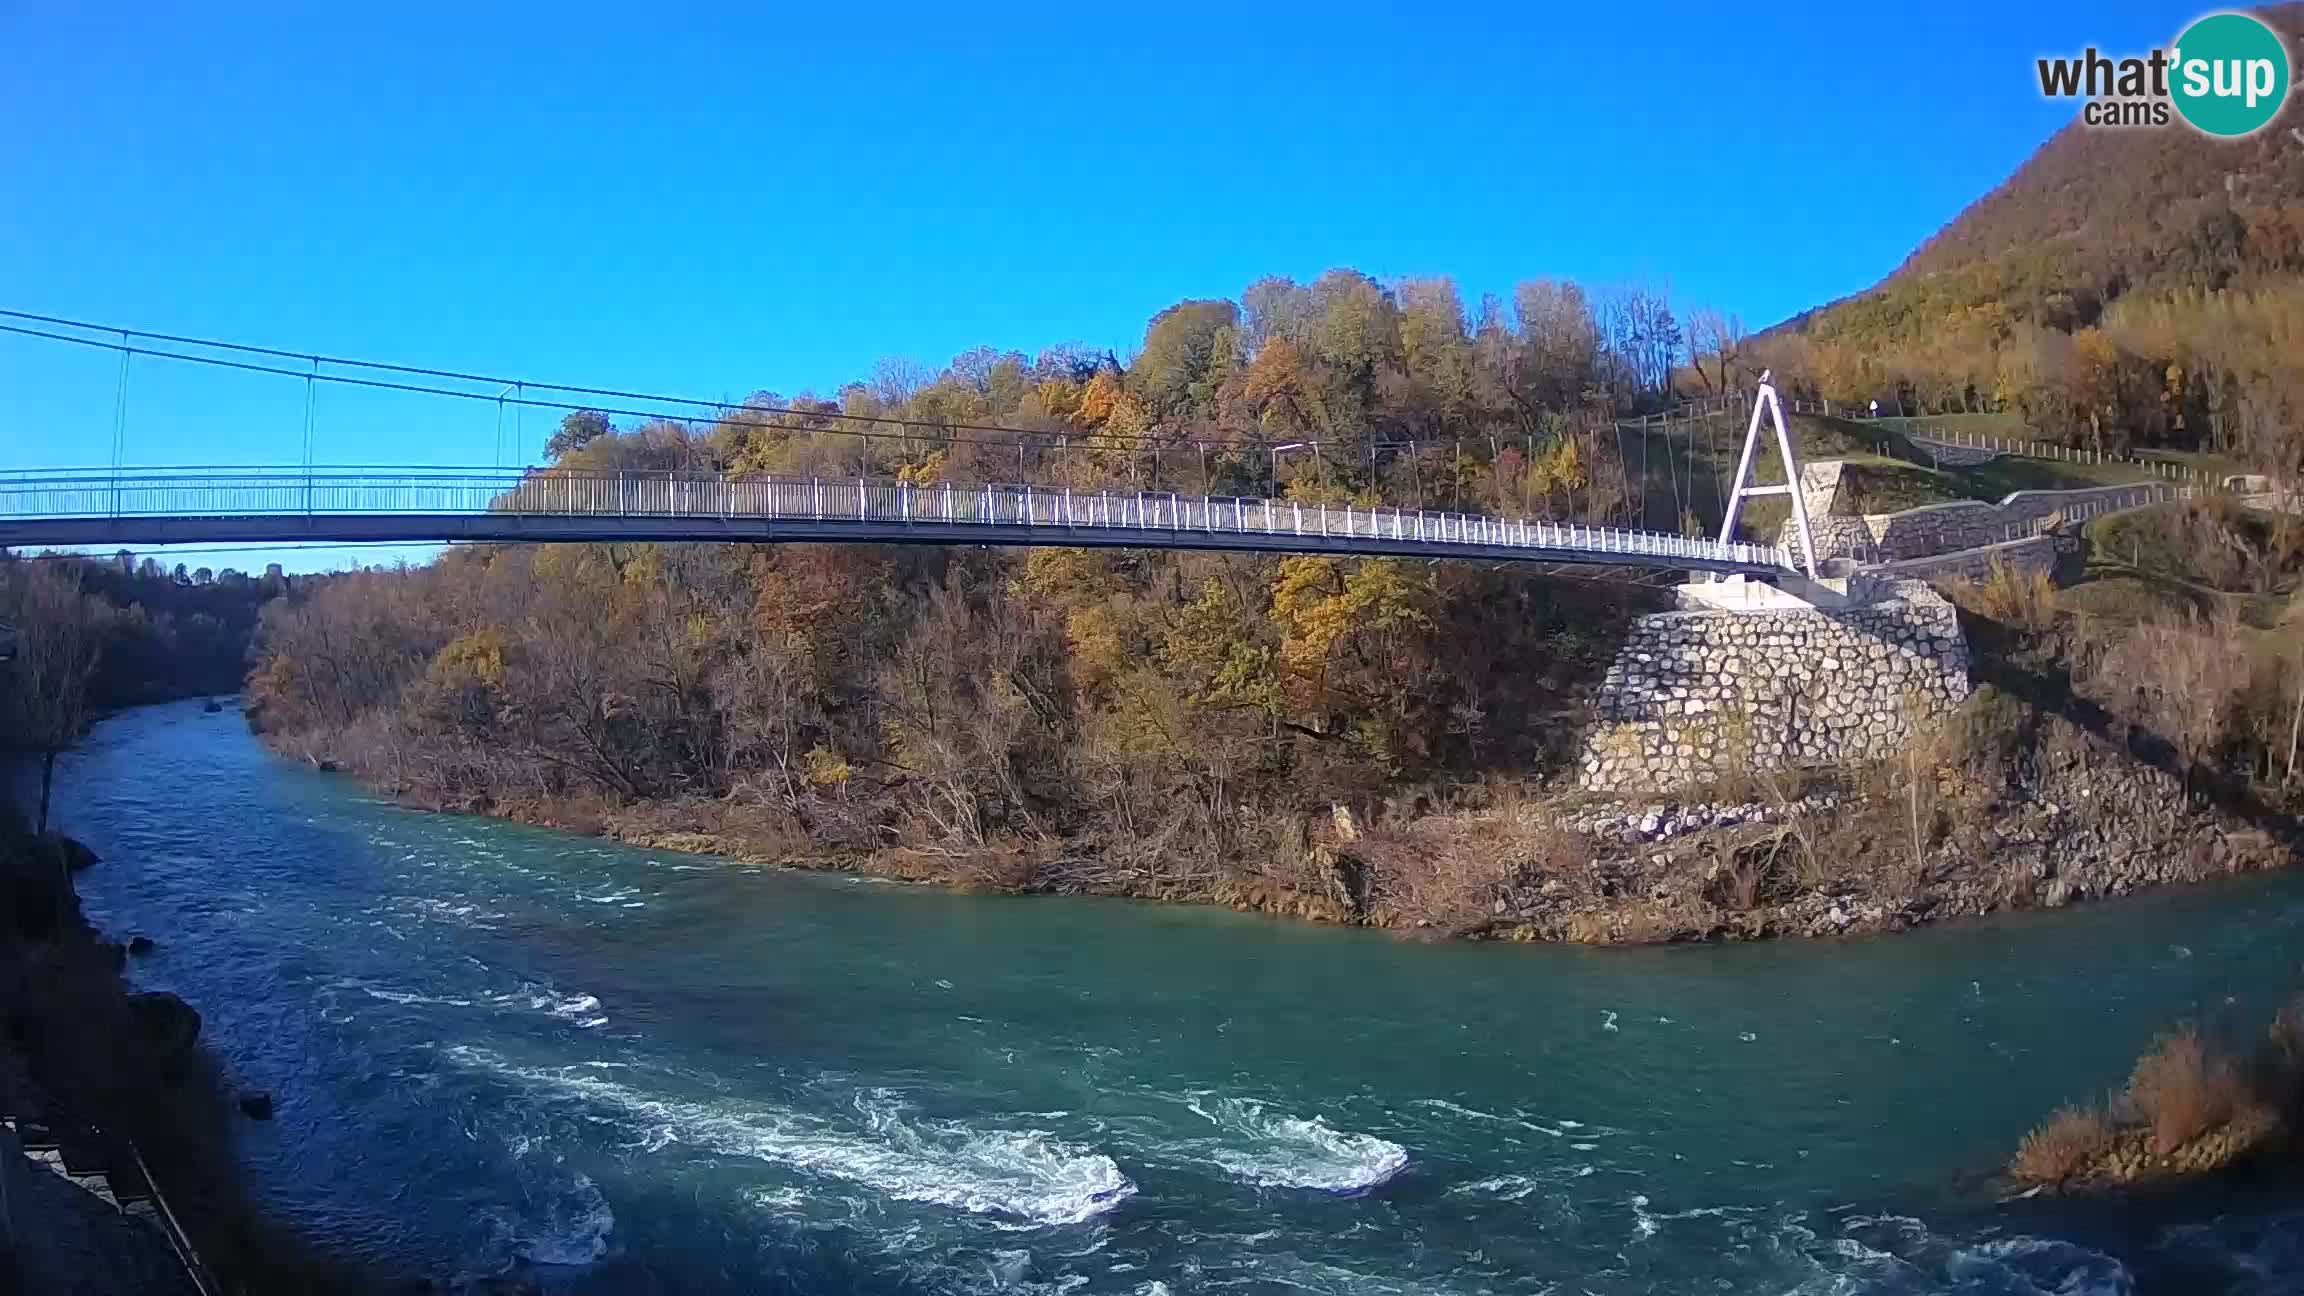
(766, 831)
(1430, 873)
(1001, 867)
(2068, 1143)
(1764, 865)
(2182, 1089)
(1446, 870)
(2179, 678)
(2018, 599)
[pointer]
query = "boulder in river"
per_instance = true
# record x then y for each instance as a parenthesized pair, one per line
(139, 945)
(171, 1024)
(256, 1104)
(211, 707)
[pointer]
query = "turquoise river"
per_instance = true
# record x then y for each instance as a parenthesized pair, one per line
(628, 1070)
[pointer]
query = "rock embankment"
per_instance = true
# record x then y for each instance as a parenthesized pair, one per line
(1627, 824)
(2092, 823)
(1695, 696)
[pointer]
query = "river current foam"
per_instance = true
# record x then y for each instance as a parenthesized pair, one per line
(1024, 1177)
(1275, 1150)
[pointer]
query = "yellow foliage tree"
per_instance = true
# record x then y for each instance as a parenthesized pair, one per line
(927, 470)
(1322, 606)
(1556, 471)
(1098, 400)
(475, 657)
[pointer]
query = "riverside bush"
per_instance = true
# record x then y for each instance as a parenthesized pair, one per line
(2191, 1106)
(2181, 1090)
(2066, 1144)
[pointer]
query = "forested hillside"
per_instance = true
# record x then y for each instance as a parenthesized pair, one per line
(1119, 720)
(90, 636)
(2125, 287)
(153, 632)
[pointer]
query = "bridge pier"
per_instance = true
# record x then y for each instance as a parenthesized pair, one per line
(1754, 677)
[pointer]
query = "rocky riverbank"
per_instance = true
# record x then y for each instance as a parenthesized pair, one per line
(2093, 822)
(104, 1068)
(2064, 816)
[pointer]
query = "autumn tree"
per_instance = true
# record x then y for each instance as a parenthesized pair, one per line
(59, 643)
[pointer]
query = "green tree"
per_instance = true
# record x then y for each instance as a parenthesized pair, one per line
(1188, 348)
(578, 429)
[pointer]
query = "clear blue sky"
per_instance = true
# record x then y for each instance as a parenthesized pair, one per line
(719, 200)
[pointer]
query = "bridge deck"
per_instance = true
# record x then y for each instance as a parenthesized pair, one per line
(205, 505)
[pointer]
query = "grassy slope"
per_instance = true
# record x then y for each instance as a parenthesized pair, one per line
(2135, 569)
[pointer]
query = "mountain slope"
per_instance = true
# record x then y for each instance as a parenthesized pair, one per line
(2134, 192)
(2124, 286)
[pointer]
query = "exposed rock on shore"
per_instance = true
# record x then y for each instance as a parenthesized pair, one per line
(130, 1064)
(74, 854)
(2094, 823)
(170, 1025)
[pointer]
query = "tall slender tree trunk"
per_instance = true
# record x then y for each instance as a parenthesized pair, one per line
(47, 783)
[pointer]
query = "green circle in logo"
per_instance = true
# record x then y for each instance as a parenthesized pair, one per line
(2229, 74)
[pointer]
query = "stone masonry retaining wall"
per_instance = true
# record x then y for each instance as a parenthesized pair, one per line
(1697, 694)
(1961, 524)
(2031, 554)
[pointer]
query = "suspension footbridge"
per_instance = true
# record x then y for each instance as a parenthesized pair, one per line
(196, 505)
(123, 504)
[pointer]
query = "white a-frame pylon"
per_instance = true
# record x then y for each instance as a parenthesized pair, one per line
(1767, 402)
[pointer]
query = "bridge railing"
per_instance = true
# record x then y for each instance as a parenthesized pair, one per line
(232, 492)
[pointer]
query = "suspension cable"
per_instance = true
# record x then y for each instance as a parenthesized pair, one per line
(739, 415)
